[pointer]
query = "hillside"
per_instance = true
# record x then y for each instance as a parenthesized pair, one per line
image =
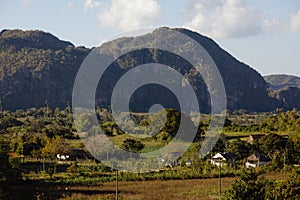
(285, 89)
(37, 67)
(288, 98)
(280, 81)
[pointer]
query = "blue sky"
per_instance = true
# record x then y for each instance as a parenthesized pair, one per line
(262, 33)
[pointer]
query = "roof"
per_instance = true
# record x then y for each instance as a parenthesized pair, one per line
(13, 154)
(76, 151)
(229, 156)
(258, 157)
(256, 136)
(226, 156)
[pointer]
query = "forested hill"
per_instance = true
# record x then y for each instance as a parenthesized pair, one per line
(37, 68)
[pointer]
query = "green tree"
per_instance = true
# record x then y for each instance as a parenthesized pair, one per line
(132, 145)
(248, 187)
(240, 148)
(55, 146)
(173, 121)
(85, 122)
(221, 144)
(8, 174)
(284, 189)
(110, 128)
(9, 121)
(271, 145)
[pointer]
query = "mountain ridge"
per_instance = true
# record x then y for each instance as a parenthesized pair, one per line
(36, 67)
(32, 39)
(280, 81)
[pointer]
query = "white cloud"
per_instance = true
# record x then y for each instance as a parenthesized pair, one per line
(126, 15)
(235, 19)
(225, 19)
(294, 22)
(88, 4)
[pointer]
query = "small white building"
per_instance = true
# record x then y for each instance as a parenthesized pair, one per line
(256, 160)
(221, 159)
(62, 157)
(188, 162)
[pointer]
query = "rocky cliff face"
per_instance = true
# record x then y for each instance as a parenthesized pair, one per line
(36, 67)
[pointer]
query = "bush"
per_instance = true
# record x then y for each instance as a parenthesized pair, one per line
(249, 187)
(284, 189)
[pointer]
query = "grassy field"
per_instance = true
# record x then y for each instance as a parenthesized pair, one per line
(151, 189)
(131, 190)
(156, 189)
(172, 189)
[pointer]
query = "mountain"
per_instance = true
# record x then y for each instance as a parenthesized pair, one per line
(288, 98)
(281, 81)
(244, 86)
(37, 68)
(286, 89)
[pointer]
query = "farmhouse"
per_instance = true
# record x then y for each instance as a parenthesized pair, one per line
(221, 159)
(256, 160)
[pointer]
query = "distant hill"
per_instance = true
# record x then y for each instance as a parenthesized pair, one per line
(288, 98)
(286, 89)
(36, 67)
(281, 81)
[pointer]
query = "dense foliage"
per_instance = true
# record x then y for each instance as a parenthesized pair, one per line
(288, 121)
(250, 187)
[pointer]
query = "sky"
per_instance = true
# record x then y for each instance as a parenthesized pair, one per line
(264, 34)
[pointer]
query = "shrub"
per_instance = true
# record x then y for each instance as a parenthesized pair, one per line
(249, 187)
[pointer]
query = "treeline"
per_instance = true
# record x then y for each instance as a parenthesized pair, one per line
(43, 120)
(38, 132)
(279, 149)
(288, 121)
